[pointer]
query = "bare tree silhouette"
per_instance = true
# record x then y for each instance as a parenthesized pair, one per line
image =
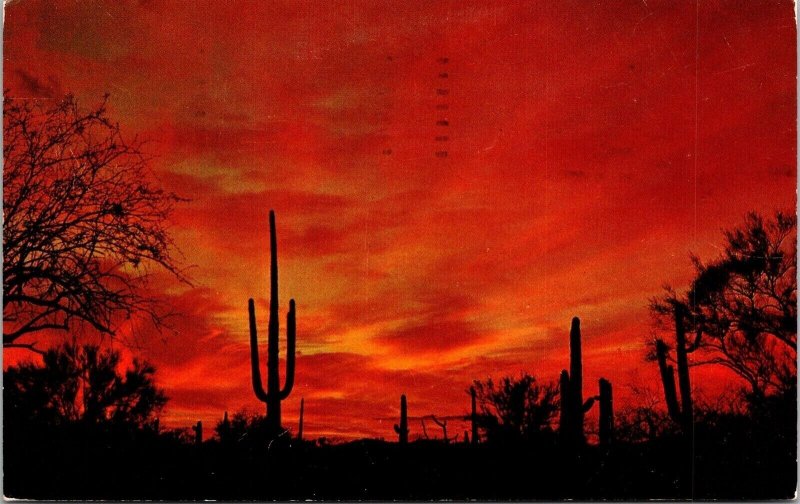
(83, 223)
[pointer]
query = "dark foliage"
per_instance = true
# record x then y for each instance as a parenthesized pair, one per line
(81, 384)
(733, 457)
(516, 409)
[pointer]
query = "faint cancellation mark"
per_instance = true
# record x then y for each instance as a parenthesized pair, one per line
(442, 105)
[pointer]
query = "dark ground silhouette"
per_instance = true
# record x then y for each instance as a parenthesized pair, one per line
(731, 457)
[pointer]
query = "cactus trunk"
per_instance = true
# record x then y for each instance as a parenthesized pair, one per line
(273, 377)
(402, 429)
(606, 413)
(576, 379)
(274, 394)
(571, 391)
(573, 406)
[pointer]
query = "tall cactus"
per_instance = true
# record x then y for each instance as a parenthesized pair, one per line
(274, 394)
(402, 429)
(683, 413)
(576, 372)
(571, 391)
(606, 413)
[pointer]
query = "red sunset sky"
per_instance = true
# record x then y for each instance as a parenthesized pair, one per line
(592, 147)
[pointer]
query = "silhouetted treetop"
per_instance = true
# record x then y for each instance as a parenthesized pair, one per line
(83, 223)
(515, 408)
(742, 306)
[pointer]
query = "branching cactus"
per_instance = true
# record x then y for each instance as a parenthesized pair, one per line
(573, 407)
(274, 393)
(402, 429)
(681, 413)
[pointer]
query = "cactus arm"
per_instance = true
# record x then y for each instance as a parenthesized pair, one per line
(258, 387)
(291, 334)
(588, 404)
(397, 429)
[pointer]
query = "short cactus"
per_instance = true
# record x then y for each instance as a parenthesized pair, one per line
(402, 429)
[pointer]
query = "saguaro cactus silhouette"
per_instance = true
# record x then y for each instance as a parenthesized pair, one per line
(571, 390)
(274, 393)
(402, 429)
